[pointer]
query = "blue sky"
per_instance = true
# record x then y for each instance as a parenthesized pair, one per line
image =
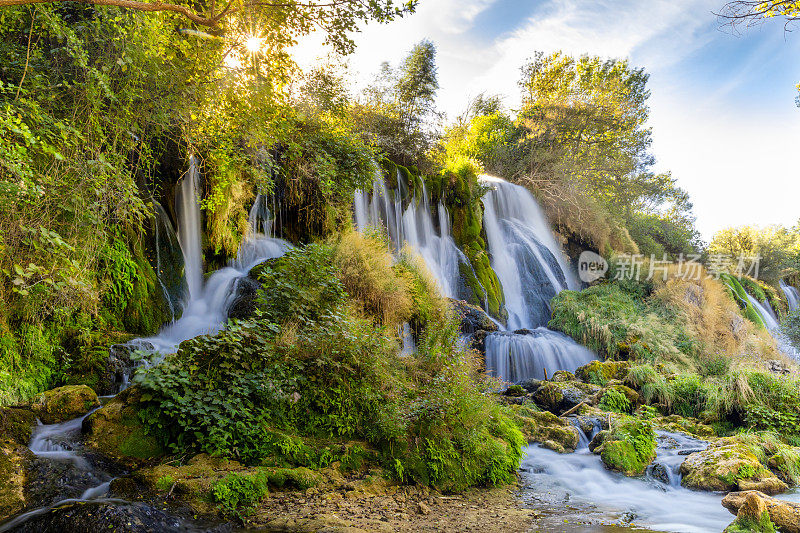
(722, 107)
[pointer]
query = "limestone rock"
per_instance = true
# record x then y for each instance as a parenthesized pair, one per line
(64, 403)
(600, 372)
(785, 515)
(727, 465)
(546, 428)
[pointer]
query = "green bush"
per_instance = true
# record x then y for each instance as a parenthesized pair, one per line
(615, 402)
(239, 494)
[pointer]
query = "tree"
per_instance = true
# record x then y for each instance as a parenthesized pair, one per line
(749, 12)
(334, 17)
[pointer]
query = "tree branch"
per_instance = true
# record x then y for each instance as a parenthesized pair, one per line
(127, 4)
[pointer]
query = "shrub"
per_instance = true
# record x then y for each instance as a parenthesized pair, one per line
(239, 494)
(615, 402)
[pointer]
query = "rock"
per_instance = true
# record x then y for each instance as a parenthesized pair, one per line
(628, 448)
(422, 508)
(600, 372)
(116, 431)
(514, 391)
(546, 428)
(597, 441)
(560, 376)
(13, 461)
(119, 365)
(64, 403)
(558, 397)
(244, 303)
(111, 516)
(785, 515)
(472, 317)
(17, 424)
(727, 465)
(778, 367)
(632, 396)
(679, 424)
(531, 385)
(752, 517)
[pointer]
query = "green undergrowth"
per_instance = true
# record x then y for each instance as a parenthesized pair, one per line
(315, 368)
(629, 447)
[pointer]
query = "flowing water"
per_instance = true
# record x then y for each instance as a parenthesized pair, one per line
(407, 219)
(586, 491)
(206, 305)
(532, 269)
(792, 295)
(767, 314)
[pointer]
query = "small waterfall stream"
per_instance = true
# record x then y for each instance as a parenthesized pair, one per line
(206, 305)
(792, 295)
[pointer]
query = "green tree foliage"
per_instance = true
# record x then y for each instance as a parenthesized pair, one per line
(777, 247)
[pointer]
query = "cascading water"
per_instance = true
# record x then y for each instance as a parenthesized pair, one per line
(187, 202)
(207, 310)
(767, 316)
(792, 295)
(413, 225)
(532, 270)
(169, 259)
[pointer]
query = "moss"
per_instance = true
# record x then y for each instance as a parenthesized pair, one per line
(546, 428)
(740, 296)
(762, 524)
(117, 431)
(629, 447)
(600, 372)
(17, 424)
(728, 465)
(13, 458)
(65, 403)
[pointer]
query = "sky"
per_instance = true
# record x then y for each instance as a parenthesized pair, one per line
(722, 105)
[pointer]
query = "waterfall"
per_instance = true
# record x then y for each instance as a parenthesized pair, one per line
(532, 269)
(187, 202)
(524, 253)
(413, 225)
(169, 258)
(769, 320)
(792, 296)
(207, 308)
(517, 357)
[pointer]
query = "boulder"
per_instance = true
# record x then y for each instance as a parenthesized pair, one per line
(784, 515)
(600, 372)
(116, 431)
(13, 460)
(64, 403)
(17, 424)
(628, 448)
(727, 465)
(561, 396)
(472, 317)
(561, 376)
(244, 303)
(547, 429)
(752, 517)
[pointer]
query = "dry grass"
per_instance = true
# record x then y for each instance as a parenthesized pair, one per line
(366, 271)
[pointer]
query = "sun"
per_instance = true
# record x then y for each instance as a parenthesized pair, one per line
(254, 44)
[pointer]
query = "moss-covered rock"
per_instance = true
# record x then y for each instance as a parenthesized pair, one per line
(13, 457)
(563, 395)
(17, 424)
(752, 517)
(64, 403)
(546, 428)
(600, 372)
(117, 432)
(784, 515)
(680, 424)
(629, 447)
(728, 465)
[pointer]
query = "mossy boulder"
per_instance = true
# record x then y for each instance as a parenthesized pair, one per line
(546, 428)
(471, 317)
(680, 424)
(64, 403)
(13, 458)
(784, 515)
(117, 432)
(559, 396)
(752, 517)
(728, 465)
(628, 448)
(561, 376)
(600, 372)
(17, 424)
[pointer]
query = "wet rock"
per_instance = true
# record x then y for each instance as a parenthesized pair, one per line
(112, 516)
(600, 372)
(778, 367)
(727, 465)
(13, 460)
(472, 317)
(120, 364)
(64, 403)
(244, 303)
(679, 424)
(546, 428)
(17, 424)
(560, 376)
(784, 515)
(116, 431)
(659, 472)
(531, 385)
(558, 397)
